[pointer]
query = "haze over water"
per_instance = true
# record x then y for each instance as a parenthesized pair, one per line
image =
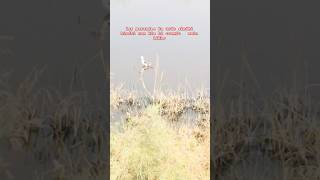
(278, 41)
(180, 58)
(48, 34)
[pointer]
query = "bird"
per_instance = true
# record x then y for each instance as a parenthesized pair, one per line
(145, 65)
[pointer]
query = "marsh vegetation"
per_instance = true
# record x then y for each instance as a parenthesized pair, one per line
(159, 133)
(49, 135)
(266, 137)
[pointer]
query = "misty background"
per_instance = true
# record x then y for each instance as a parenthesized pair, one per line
(184, 59)
(56, 35)
(59, 37)
(274, 44)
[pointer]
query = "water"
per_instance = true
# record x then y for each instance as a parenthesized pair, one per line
(179, 58)
(269, 46)
(278, 42)
(48, 34)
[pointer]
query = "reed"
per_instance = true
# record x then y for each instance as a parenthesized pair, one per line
(272, 137)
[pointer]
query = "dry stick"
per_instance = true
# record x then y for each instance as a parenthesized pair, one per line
(155, 81)
(160, 82)
(100, 53)
(103, 64)
(143, 84)
(249, 69)
(102, 37)
(155, 77)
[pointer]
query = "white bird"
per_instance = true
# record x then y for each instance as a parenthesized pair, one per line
(145, 65)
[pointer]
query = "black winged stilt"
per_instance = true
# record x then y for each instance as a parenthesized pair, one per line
(145, 65)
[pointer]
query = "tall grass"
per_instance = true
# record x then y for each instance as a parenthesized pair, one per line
(154, 140)
(149, 148)
(64, 134)
(273, 137)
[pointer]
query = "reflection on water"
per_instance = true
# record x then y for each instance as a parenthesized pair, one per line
(180, 112)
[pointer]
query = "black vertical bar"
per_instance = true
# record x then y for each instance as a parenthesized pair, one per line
(107, 57)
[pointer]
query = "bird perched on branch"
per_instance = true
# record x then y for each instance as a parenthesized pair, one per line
(145, 65)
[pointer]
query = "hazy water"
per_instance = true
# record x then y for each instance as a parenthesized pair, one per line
(278, 41)
(47, 33)
(179, 58)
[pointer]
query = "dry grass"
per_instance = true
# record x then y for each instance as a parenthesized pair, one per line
(150, 148)
(155, 140)
(283, 128)
(61, 132)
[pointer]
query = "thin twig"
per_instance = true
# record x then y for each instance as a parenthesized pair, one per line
(155, 77)
(143, 84)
